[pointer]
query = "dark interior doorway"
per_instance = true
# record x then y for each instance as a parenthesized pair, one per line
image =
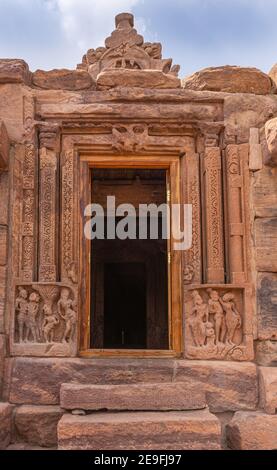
(129, 278)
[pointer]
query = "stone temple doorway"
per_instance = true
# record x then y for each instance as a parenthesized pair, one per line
(130, 292)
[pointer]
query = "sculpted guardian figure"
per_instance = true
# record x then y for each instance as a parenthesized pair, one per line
(198, 319)
(32, 311)
(216, 311)
(66, 309)
(233, 318)
(21, 307)
(48, 325)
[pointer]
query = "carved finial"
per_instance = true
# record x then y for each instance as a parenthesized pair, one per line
(123, 20)
(125, 32)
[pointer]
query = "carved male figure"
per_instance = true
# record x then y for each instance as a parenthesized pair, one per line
(48, 326)
(216, 310)
(233, 318)
(199, 316)
(66, 309)
(21, 306)
(31, 320)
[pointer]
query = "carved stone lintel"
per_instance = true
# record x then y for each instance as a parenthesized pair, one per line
(213, 209)
(47, 226)
(218, 323)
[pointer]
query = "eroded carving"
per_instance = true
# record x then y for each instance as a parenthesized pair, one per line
(45, 314)
(126, 49)
(130, 139)
(214, 324)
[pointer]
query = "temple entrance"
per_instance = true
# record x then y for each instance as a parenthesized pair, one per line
(130, 288)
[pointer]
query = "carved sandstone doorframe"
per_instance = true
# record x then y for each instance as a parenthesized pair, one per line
(172, 165)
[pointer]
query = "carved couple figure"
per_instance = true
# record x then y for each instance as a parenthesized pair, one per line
(27, 314)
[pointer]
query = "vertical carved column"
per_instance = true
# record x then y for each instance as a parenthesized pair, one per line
(29, 197)
(48, 204)
(28, 213)
(236, 185)
(68, 256)
(193, 257)
(213, 213)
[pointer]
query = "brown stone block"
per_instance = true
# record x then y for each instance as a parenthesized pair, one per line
(137, 78)
(4, 146)
(266, 353)
(140, 431)
(268, 389)
(252, 431)
(37, 425)
(267, 306)
(266, 242)
(229, 386)
(62, 79)
(230, 79)
(5, 424)
(38, 381)
(14, 71)
(132, 397)
(3, 245)
(264, 193)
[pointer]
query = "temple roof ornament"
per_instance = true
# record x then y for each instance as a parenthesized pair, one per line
(126, 49)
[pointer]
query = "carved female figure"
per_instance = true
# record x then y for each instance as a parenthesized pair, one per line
(66, 309)
(21, 306)
(233, 318)
(216, 310)
(199, 316)
(32, 311)
(48, 326)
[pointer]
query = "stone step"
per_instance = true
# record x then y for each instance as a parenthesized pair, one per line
(133, 397)
(231, 386)
(168, 430)
(37, 425)
(268, 389)
(252, 430)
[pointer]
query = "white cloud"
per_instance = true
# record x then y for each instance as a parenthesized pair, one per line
(89, 22)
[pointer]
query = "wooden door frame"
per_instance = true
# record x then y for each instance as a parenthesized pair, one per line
(172, 164)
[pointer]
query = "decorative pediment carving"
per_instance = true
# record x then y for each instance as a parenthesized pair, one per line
(126, 49)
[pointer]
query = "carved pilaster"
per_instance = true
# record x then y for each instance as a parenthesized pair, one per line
(214, 271)
(47, 210)
(28, 213)
(193, 258)
(68, 255)
(236, 185)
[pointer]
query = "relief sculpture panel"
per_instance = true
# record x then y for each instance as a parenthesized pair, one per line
(217, 323)
(45, 320)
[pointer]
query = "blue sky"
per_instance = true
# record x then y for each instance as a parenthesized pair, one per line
(195, 33)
